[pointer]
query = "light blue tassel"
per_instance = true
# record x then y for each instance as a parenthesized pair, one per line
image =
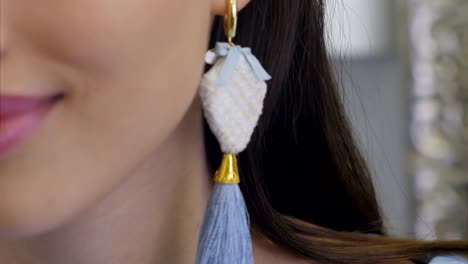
(225, 234)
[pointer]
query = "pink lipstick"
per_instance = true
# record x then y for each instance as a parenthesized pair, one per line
(20, 116)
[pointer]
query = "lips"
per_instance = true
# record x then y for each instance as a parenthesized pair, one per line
(12, 105)
(20, 116)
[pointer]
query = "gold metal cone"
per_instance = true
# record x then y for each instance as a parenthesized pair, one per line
(228, 173)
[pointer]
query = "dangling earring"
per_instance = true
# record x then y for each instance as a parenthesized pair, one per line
(232, 94)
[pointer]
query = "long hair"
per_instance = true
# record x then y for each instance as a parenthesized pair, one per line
(306, 185)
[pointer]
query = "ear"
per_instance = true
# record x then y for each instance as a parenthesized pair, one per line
(218, 7)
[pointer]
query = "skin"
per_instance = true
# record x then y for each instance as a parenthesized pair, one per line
(117, 172)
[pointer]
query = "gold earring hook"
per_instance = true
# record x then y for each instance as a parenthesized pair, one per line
(230, 20)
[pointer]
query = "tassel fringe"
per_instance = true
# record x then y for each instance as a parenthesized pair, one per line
(225, 235)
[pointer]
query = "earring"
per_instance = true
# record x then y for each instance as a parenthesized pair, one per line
(232, 94)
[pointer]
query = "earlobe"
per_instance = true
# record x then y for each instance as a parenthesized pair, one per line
(218, 7)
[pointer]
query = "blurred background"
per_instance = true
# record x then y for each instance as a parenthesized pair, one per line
(403, 66)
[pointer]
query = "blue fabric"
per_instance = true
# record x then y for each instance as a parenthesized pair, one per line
(232, 55)
(449, 260)
(225, 234)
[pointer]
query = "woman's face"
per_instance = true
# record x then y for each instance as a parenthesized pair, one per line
(128, 70)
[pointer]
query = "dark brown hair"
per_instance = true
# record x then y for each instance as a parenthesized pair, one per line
(305, 183)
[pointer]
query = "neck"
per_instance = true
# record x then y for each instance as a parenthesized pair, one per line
(154, 216)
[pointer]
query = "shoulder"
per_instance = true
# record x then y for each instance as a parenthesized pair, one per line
(449, 260)
(266, 252)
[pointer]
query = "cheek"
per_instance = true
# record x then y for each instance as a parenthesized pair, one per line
(131, 70)
(101, 37)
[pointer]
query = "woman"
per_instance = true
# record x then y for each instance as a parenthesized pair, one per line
(114, 165)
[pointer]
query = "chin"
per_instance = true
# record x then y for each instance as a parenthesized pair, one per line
(21, 224)
(25, 216)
